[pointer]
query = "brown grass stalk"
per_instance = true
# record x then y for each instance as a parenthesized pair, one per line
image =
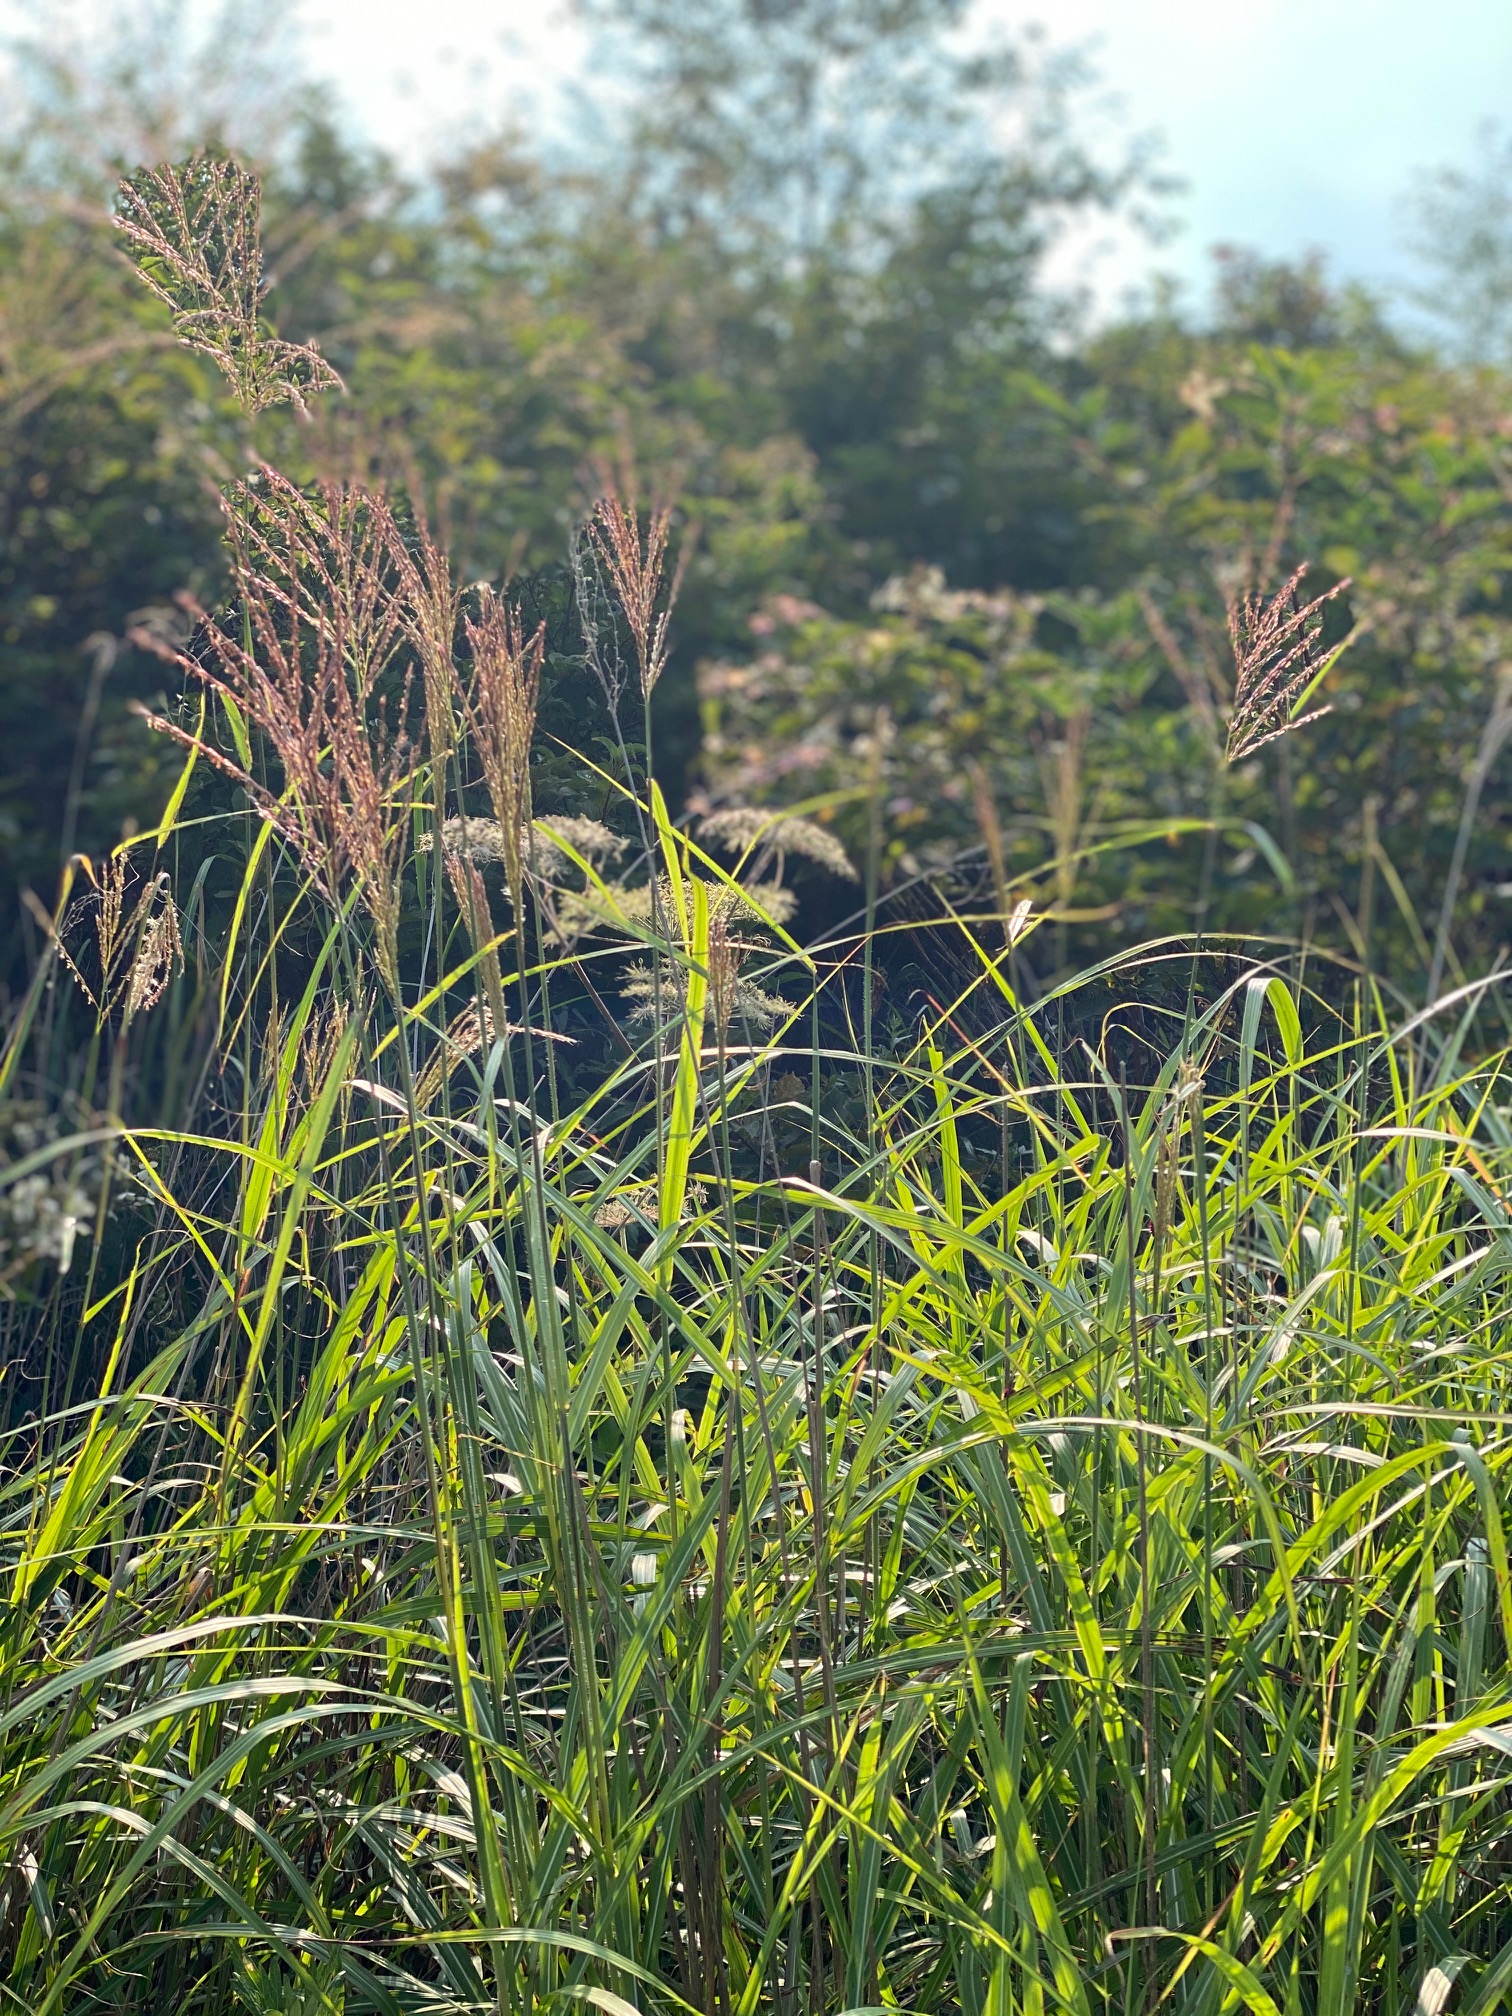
(1277, 655)
(636, 566)
(315, 628)
(194, 235)
(500, 711)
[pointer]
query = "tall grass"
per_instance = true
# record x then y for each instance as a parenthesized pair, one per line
(780, 1522)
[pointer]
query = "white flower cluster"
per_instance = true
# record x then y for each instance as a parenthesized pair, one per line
(741, 828)
(482, 841)
(44, 1212)
(40, 1220)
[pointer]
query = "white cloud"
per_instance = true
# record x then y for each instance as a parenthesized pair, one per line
(474, 61)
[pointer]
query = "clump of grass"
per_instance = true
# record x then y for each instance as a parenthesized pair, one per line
(674, 1544)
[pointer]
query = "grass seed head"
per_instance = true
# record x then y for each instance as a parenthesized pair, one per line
(311, 654)
(1277, 655)
(136, 935)
(743, 828)
(636, 568)
(500, 710)
(193, 232)
(159, 953)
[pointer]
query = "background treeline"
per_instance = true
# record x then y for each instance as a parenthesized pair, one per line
(942, 531)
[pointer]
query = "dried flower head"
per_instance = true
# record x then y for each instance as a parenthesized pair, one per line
(1277, 656)
(726, 951)
(735, 922)
(743, 1002)
(500, 710)
(614, 1214)
(636, 569)
(479, 840)
(482, 840)
(471, 893)
(637, 1204)
(318, 1049)
(588, 838)
(313, 638)
(194, 235)
(137, 945)
(741, 828)
(467, 1033)
(428, 609)
(472, 896)
(158, 956)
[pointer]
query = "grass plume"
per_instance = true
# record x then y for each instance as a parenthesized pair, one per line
(1278, 659)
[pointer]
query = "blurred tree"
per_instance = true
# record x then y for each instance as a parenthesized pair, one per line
(107, 434)
(798, 131)
(1460, 227)
(112, 438)
(1288, 303)
(97, 86)
(877, 188)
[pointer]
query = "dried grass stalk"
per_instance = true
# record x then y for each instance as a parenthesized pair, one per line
(467, 1033)
(194, 236)
(500, 711)
(429, 609)
(316, 623)
(138, 943)
(637, 571)
(471, 893)
(159, 955)
(1277, 655)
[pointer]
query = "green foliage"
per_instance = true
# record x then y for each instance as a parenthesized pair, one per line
(1221, 465)
(1461, 230)
(829, 425)
(104, 427)
(1385, 469)
(1045, 704)
(508, 332)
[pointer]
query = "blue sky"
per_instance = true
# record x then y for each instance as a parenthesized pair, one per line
(1299, 123)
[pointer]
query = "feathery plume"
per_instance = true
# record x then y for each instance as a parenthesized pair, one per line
(315, 624)
(1277, 655)
(194, 236)
(636, 569)
(500, 711)
(741, 828)
(138, 943)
